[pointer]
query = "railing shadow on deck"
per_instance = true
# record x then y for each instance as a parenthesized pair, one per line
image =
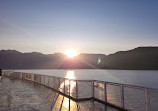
(121, 96)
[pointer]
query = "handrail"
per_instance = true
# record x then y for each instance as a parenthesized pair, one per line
(111, 93)
(112, 83)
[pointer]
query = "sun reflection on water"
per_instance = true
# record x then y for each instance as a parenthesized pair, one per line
(69, 81)
(70, 75)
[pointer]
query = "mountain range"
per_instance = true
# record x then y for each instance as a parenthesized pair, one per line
(141, 58)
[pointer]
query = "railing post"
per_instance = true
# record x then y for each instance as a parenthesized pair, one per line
(93, 89)
(122, 96)
(48, 81)
(69, 86)
(44, 80)
(54, 80)
(40, 79)
(22, 76)
(105, 91)
(76, 89)
(59, 84)
(69, 93)
(34, 77)
(146, 99)
(64, 85)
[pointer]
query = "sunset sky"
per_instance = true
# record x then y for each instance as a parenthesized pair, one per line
(88, 26)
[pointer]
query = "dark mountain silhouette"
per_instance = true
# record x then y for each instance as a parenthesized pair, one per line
(83, 61)
(139, 58)
(145, 58)
(12, 59)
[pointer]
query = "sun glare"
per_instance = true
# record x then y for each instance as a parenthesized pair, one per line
(70, 75)
(70, 53)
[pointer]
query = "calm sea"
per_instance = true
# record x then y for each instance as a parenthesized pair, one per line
(146, 78)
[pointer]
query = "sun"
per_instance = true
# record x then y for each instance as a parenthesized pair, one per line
(70, 53)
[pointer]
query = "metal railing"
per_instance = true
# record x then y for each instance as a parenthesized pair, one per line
(123, 96)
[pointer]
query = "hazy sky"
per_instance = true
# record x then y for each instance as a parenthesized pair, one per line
(89, 26)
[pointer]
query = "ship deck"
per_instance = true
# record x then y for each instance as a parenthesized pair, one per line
(23, 95)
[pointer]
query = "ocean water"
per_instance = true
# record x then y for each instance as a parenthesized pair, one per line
(146, 78)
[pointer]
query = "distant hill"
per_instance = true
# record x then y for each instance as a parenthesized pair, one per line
(145, 58)
(12, 59)
(139, 58)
